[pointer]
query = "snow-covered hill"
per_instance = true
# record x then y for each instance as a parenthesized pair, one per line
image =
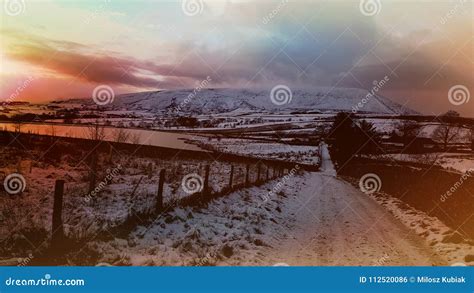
(207, 101)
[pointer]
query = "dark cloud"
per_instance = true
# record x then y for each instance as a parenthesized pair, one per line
(303, 45)
(92, 68)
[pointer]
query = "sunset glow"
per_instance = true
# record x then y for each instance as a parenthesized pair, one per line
(70, 47)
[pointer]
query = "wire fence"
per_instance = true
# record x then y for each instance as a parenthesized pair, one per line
(118, 186)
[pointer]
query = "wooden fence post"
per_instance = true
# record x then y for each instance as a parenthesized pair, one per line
(247, 171)
(57, 232)
(206, 182)
(111, 152)
(149, 170)
(259, 166)
(136, 187)
(93, 172)
(159, 196)
(231, 179)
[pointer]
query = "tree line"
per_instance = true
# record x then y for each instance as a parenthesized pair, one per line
(350, 136)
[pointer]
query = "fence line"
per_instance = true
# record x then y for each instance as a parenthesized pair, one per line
(244, 172)
(199, 198)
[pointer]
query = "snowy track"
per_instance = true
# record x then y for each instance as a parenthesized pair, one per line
(314, 219)
(337, 224)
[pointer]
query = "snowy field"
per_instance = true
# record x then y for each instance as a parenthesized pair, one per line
(262, 149)
(131, 190)
(458, 162)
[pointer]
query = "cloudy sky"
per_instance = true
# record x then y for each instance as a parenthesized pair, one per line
(63, 49)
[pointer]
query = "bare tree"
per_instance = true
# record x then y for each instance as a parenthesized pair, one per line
(135, 138)
(429, 159)
(121, 135)
(96, 132)
(447, 132)
(370, 138)
(408, 130)
(322, 130)
(17, 126)
(53, 130)
(472, 139)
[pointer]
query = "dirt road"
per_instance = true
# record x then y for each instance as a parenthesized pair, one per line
(337, 224)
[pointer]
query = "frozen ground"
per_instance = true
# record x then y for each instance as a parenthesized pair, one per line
(310, 219)
(26, 217)
(262, 149)
(441, 238)
(461, 162)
